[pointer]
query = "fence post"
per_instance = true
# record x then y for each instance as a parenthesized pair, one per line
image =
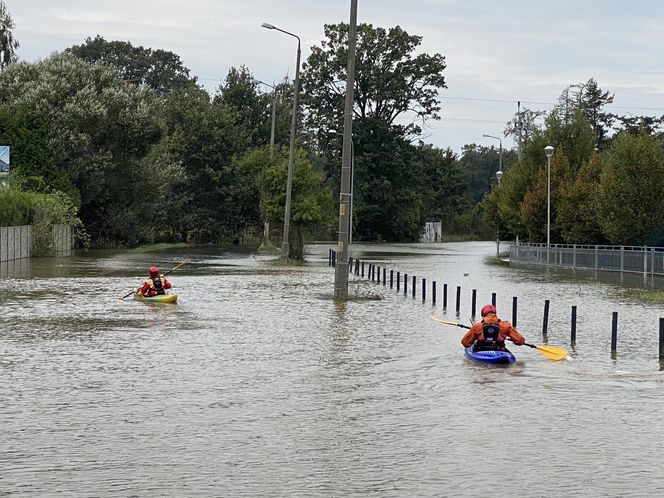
(391, 279)
(444, 296)
(614, 332)
(433, 293)
(458, 299)
(424, 289)
(661, 338)
(514, 311)
(573, 334)
(473, 306)
(405, 284)
(398, 281)
(545, 322)
(384, 275)
(414, 286)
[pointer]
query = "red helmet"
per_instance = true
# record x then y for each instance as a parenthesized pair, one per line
(154, 271)
(489, 308)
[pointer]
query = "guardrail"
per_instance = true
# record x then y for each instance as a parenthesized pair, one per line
(645, 260)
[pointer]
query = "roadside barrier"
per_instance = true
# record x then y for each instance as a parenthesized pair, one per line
(374, 274)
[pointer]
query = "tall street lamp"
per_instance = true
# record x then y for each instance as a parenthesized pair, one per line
(548, 150)
(274, 112)
(499, 175)
(500, 154)
(266, 224)
(352, 181)
(291, 150)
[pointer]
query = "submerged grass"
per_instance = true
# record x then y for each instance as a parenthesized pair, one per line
(647, 295)
(159, 247)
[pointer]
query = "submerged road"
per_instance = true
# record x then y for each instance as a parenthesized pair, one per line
(258, 384)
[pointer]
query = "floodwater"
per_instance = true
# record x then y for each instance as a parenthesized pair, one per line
(258, 384)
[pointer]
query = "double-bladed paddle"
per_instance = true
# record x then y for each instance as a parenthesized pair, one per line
(169, 271)
(551, 352)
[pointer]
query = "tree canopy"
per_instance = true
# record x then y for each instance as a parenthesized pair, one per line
(8, 44)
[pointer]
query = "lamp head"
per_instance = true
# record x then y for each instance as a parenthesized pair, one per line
(267, 25)
(548, 150)
(499, 175)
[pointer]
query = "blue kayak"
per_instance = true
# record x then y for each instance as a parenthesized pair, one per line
(496, 357)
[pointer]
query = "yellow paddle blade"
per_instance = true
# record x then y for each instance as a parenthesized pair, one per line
(552, 352)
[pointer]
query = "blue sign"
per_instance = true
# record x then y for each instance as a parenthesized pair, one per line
(4, 158)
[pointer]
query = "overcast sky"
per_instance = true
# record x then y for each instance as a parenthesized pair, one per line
(497, 53)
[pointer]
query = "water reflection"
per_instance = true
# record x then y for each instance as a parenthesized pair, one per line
(258, 383)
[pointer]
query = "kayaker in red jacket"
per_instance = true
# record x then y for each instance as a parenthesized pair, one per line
(155, 285)
(491, 332)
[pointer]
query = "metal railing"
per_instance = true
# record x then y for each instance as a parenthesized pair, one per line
(645, 260)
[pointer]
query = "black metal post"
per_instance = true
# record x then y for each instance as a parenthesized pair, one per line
(458, 299)
(391, 279)
(614, 332)
(661, 338)
(493, 299)
(473, 306)
(384, 274)
(573, 333)
(414, 286)
(433, 293)
(545, 322)
(444, 296)
(405, 284)
(514, 305)
(424, 289)
(398, 281)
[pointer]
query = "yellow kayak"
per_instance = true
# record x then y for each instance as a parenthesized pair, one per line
(160, 298)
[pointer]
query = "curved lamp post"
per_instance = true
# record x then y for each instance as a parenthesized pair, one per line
(548, 150)
(291, 150)
(274, 111)
(266, 225)
(499, 175)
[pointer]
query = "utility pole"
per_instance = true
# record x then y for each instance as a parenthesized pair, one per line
(341, 269)
(520, 125)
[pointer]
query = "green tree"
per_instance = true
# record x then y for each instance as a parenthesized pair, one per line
(577, 211)
(443, 184)
(311, 201)
(592, 100)
(161, 70)
(630, 188)
(481, 164)
(34, 167)
(96, 131)
(390, 80)
(8, 44)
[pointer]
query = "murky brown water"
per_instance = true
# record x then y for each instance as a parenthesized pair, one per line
(257, 384)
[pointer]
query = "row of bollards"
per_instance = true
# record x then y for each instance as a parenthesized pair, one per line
(374, 274)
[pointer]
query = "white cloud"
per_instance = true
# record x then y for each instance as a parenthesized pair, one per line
(507, 51)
